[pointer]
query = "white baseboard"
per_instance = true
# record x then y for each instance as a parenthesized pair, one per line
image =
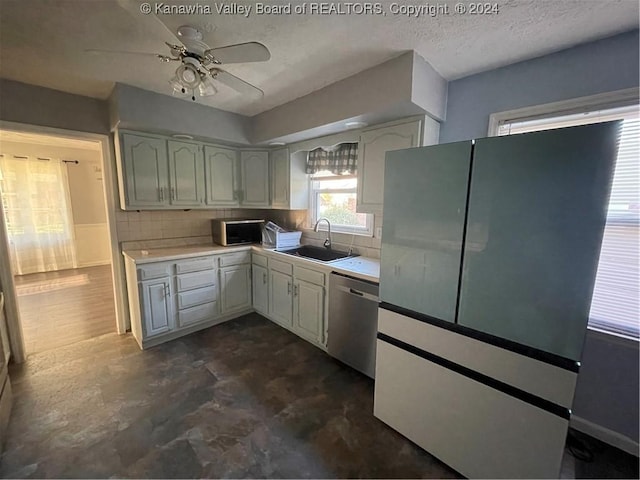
(615, 439)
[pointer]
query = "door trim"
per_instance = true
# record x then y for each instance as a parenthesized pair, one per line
(111, 203)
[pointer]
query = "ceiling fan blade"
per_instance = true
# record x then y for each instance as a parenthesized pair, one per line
(240, 53)
(120, 52)
(236, 83)
(135, 8)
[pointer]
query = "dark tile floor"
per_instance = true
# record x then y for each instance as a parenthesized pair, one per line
(242, 399)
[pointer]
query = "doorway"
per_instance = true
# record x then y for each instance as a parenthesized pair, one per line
(55, 215)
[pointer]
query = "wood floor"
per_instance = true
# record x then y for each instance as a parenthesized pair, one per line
(65, 307)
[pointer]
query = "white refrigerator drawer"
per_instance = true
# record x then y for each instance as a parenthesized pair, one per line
(476, 429)
(542, 379)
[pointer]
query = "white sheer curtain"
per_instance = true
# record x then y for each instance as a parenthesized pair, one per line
(35, 196)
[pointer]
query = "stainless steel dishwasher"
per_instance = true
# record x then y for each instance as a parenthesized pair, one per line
(353, 322)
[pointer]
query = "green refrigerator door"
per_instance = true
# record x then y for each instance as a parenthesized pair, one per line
(537, 209)
(425, 195)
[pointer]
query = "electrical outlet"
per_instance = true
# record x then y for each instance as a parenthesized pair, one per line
(378, 232)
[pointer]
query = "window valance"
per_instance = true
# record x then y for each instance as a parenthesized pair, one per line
(340, 161)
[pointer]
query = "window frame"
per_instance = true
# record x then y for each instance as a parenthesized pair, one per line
(366, 231)
(605, 101)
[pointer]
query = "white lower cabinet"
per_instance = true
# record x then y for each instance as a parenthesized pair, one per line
(281, 298)
(260, 284)
(296, 299)
(235, 284)
(170, 299)
(157, 308)
(174, 298)
(308, 310)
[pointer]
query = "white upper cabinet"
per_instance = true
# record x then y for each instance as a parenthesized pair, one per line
(220, 165)
(254, 168)
(145, 171)
(373, 146)
(280, 178)
(289, 180)
(185, 174)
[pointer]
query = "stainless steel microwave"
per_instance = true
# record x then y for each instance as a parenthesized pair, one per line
(230, 231)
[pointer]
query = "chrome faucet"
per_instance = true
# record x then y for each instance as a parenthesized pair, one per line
(327, 242)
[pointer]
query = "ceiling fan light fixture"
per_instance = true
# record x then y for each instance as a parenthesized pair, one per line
(188, 75)
(206, 89)
(176, 85)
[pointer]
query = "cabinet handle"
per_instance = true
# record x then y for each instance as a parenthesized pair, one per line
(289, 288)
(173, 193)
(161, 194)
(167, 290)
(264, 278)
(295, 290)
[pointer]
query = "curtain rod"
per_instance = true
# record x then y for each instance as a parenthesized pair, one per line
(43, 158)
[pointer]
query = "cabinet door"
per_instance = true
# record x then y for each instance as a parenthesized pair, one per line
(145, 170)
(255, 179)
(260, 286)
(308, 310)
(185, 174)
(236, 287)
(373, 146)
(280, 166)
(537, 209)
(425, 200)
(157, 308)
(220, 166)
(281, 297)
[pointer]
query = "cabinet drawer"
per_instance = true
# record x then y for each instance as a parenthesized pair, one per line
(197, 314)
(235, 258)
(259, 260)
(310, 276)
(282, 267)
(154, 270)
(197, 297)
(190, 281)
(195, 265)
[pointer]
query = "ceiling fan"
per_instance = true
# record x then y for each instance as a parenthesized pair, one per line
(199, 66)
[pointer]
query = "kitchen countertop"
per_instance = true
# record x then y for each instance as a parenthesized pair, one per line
(365, 268)
(176, 253)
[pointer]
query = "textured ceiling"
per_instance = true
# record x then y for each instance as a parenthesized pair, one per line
(42, 42)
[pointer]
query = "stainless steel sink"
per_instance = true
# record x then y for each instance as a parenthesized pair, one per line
(317, 253)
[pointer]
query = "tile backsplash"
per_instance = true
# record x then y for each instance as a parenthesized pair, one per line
(165, 228)
(172, 224)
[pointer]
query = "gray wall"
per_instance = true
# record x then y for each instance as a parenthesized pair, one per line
(597, 67)
(607, 392)
(138, 109)
(33, 105)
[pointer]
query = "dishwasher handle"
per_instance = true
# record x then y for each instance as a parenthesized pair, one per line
(357, 293)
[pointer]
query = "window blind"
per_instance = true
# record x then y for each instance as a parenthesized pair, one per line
(615, 305)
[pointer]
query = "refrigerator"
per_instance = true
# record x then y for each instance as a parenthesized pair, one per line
(489, 256)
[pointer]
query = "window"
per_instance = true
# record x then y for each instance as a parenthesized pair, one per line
(615, 306)
(334, 197)
(333, 189)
